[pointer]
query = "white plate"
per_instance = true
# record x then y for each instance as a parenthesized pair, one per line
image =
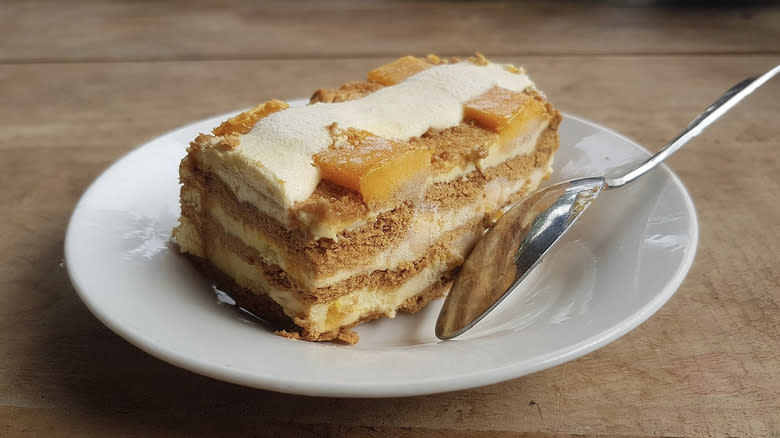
(623, 261)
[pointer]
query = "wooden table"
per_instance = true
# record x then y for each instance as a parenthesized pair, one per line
(84, 82)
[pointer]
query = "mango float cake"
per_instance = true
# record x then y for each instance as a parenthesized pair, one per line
(366, 201)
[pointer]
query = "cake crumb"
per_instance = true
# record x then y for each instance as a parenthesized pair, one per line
(478, 59)
(345, 335)
(349, 91)
(348, 336)
(289, 335)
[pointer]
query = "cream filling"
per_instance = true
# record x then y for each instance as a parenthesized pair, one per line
(351, 308)
(426, 229)
(187, 237)
(520, 145)
(344, 311)
(249, 277)
(500, 152)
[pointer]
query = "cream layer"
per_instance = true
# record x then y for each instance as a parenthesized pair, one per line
(188, 238)
(346, 310)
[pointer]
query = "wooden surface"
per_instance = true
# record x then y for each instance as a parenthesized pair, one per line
(85, 82)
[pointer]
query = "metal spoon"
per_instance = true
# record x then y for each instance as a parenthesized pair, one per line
(515, 245)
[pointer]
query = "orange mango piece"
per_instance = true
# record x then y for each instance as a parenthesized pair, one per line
(377, 168)
(533, 109)
(398, 70)
(244, 122)
(504, 111)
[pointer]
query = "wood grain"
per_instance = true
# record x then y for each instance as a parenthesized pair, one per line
(86, 82)
(32, 31)
(123, 104)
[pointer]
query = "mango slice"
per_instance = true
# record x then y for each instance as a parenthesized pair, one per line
(244, 122)
(398, 70)
(379, 169)
(504, 111)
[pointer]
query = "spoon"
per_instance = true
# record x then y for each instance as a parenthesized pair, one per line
(516, 243)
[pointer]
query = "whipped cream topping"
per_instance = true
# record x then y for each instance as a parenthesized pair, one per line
(282, 144)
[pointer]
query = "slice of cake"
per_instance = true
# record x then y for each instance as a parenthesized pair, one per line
(366, 201)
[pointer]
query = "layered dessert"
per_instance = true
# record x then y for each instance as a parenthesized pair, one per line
(364, 202)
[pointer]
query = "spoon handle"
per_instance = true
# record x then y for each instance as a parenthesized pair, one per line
(705, 119)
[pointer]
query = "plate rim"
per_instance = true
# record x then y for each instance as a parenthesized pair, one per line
(473, 379)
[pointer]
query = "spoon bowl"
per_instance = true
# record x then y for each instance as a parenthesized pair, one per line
(521, 238)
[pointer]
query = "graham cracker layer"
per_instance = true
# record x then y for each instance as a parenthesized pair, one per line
(261, 305)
